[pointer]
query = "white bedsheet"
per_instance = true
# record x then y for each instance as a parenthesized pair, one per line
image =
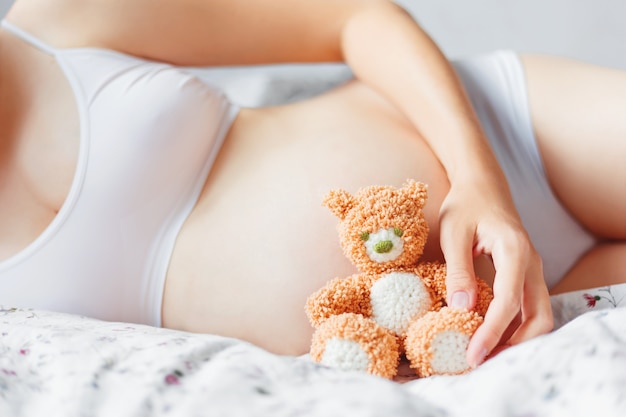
(54, 364)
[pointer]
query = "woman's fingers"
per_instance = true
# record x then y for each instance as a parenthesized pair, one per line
(521, 306)
(460, 279)
(536, 313)
(508, 284)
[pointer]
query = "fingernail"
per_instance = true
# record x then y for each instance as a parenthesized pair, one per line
(459, 300)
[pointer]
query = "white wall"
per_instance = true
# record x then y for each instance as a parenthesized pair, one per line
(4, 6)
(592, 30)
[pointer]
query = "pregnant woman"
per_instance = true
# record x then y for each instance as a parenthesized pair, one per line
(131, 190)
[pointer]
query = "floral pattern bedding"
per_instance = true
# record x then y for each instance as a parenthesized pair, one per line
(55, 364)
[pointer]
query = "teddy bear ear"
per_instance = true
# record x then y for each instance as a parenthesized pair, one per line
(339, 202)
(417, 191)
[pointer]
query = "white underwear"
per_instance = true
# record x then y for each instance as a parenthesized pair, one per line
(496, 85)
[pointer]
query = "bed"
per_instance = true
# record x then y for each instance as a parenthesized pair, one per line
(54, 364)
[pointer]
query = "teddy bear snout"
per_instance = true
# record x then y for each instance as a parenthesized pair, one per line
(384, 246)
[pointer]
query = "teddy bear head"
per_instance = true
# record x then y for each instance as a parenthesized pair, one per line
(381, 228)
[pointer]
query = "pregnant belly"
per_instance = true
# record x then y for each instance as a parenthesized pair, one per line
(259, 242)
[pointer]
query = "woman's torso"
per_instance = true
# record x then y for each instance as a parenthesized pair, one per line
(258, 241)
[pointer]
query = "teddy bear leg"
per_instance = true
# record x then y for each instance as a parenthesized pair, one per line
(436, 344)
(352, 342)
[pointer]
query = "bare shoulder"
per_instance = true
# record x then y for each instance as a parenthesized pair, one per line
(198, 32)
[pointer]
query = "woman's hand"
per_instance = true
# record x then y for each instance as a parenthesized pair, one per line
(478, 217)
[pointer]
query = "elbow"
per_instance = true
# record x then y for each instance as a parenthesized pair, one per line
(368, 22)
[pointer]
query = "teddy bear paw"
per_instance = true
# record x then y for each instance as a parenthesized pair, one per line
(437, 343)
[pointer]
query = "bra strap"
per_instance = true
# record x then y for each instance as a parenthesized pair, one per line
(27, 37)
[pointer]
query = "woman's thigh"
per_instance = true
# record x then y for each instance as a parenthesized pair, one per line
(579, 116)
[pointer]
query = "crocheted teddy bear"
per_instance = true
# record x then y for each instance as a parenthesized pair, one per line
(395, 304)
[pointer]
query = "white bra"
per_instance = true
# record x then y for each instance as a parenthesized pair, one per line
(149, 135)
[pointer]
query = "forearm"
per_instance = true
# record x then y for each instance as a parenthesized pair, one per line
(388, 50)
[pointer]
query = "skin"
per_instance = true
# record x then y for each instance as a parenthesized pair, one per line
(407, 110)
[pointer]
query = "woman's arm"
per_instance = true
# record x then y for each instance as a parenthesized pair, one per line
(387, 50)
(390, 52)
(196, 32)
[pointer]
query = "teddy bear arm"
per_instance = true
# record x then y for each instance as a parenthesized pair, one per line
(339, 296)
(434, 276)
(484, 297)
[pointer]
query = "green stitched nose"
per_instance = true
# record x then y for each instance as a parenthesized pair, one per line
(383, 246)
